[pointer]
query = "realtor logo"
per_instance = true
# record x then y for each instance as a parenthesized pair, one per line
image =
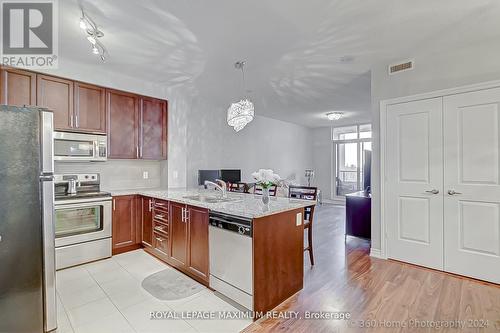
(29, 33)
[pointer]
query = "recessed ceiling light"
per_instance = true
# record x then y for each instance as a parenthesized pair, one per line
(334, 115)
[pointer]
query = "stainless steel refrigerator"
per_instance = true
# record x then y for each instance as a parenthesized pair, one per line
(27, 270)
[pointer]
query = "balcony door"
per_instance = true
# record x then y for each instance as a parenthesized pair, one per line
(352, 147)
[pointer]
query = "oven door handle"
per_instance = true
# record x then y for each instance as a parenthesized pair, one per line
(88, 204)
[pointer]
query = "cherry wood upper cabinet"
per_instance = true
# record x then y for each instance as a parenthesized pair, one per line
(197, 252)
(122, 111)
(57, 95)
(178, 234)
(153, 129)
(17, 87)
(90, 108)
(124, 221)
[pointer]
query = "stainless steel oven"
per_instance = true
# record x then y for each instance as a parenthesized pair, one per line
(77, 147)
(82, 220)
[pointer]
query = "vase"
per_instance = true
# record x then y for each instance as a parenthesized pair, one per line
(265, 196)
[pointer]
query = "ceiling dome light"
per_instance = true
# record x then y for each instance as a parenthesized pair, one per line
(334, 115)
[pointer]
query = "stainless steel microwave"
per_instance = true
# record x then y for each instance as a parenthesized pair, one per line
(77, 147)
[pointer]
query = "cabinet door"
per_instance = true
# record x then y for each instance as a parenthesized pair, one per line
(90, 108)
(123, 124)
(197, 252)
(124, 221)
(178, 234)
(153, 129)
(18, 87)
(147, 221)
(57, 95)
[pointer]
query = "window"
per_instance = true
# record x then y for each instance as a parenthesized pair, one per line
(353, 147)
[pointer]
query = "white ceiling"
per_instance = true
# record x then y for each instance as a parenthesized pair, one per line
(304, 58)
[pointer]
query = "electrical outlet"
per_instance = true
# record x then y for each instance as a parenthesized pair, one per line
(145, 175)
(298, 219)
(176, 174)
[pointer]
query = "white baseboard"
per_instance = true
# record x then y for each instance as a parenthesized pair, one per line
(376, 253)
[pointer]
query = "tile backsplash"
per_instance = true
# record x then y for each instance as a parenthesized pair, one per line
(121, 174)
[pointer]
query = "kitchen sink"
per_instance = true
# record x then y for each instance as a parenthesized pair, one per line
(208, 199)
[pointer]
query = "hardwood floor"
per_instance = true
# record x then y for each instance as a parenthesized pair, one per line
(388, 295)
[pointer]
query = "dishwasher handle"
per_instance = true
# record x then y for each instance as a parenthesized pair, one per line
(231, 226)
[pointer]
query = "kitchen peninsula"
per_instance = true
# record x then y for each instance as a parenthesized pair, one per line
(248, 251)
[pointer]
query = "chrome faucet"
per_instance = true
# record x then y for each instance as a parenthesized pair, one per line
(221, 186)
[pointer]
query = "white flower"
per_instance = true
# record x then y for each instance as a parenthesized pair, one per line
(266, 176)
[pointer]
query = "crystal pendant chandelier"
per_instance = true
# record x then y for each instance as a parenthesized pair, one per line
(241, 113)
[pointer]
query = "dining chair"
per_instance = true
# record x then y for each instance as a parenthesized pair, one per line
(306, 193)
(237, 187)
(257, 189)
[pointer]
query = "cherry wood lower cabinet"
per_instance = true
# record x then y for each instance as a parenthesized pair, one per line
(197, 242)
(147, 221)
(178, 234)
(126, 233)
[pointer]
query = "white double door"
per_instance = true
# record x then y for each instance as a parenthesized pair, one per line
(442, 198)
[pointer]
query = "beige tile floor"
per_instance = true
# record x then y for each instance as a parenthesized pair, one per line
(106, 297)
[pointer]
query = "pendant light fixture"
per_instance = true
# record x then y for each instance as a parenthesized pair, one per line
(241, 113)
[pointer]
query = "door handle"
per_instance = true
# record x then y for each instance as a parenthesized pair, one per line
(433, 191)
(453, 192)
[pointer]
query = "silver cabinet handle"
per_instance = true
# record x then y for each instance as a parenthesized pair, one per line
(434, 191)
(137, 151)
(453, 192)
(114, 204)
(150, 205)
(182, 215)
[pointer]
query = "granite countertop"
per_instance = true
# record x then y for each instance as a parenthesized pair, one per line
(246, 205)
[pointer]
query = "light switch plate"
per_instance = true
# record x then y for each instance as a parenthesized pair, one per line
(298, 219)
(145, 175)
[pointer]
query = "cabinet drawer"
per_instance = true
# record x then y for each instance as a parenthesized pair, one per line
(161, 229)
(161, 243)
(160, 205)
(160, 216)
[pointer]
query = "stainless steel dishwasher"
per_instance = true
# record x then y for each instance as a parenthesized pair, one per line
(230, 244)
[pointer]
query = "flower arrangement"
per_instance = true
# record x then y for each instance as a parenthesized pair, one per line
(266, 178)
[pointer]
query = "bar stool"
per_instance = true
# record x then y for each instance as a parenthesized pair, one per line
(306, 193)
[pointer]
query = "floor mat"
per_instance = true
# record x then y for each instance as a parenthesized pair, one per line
(169, 284)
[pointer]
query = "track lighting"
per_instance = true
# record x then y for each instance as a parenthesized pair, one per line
(93, 35)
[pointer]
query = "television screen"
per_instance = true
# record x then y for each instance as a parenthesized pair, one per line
(210, 175)
(231, 176)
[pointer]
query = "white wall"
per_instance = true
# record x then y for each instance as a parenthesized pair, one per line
(322, 148)
(440, 69)
(264, 143)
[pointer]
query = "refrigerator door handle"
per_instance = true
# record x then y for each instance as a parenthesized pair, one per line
(49, 265)
(47, 142)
